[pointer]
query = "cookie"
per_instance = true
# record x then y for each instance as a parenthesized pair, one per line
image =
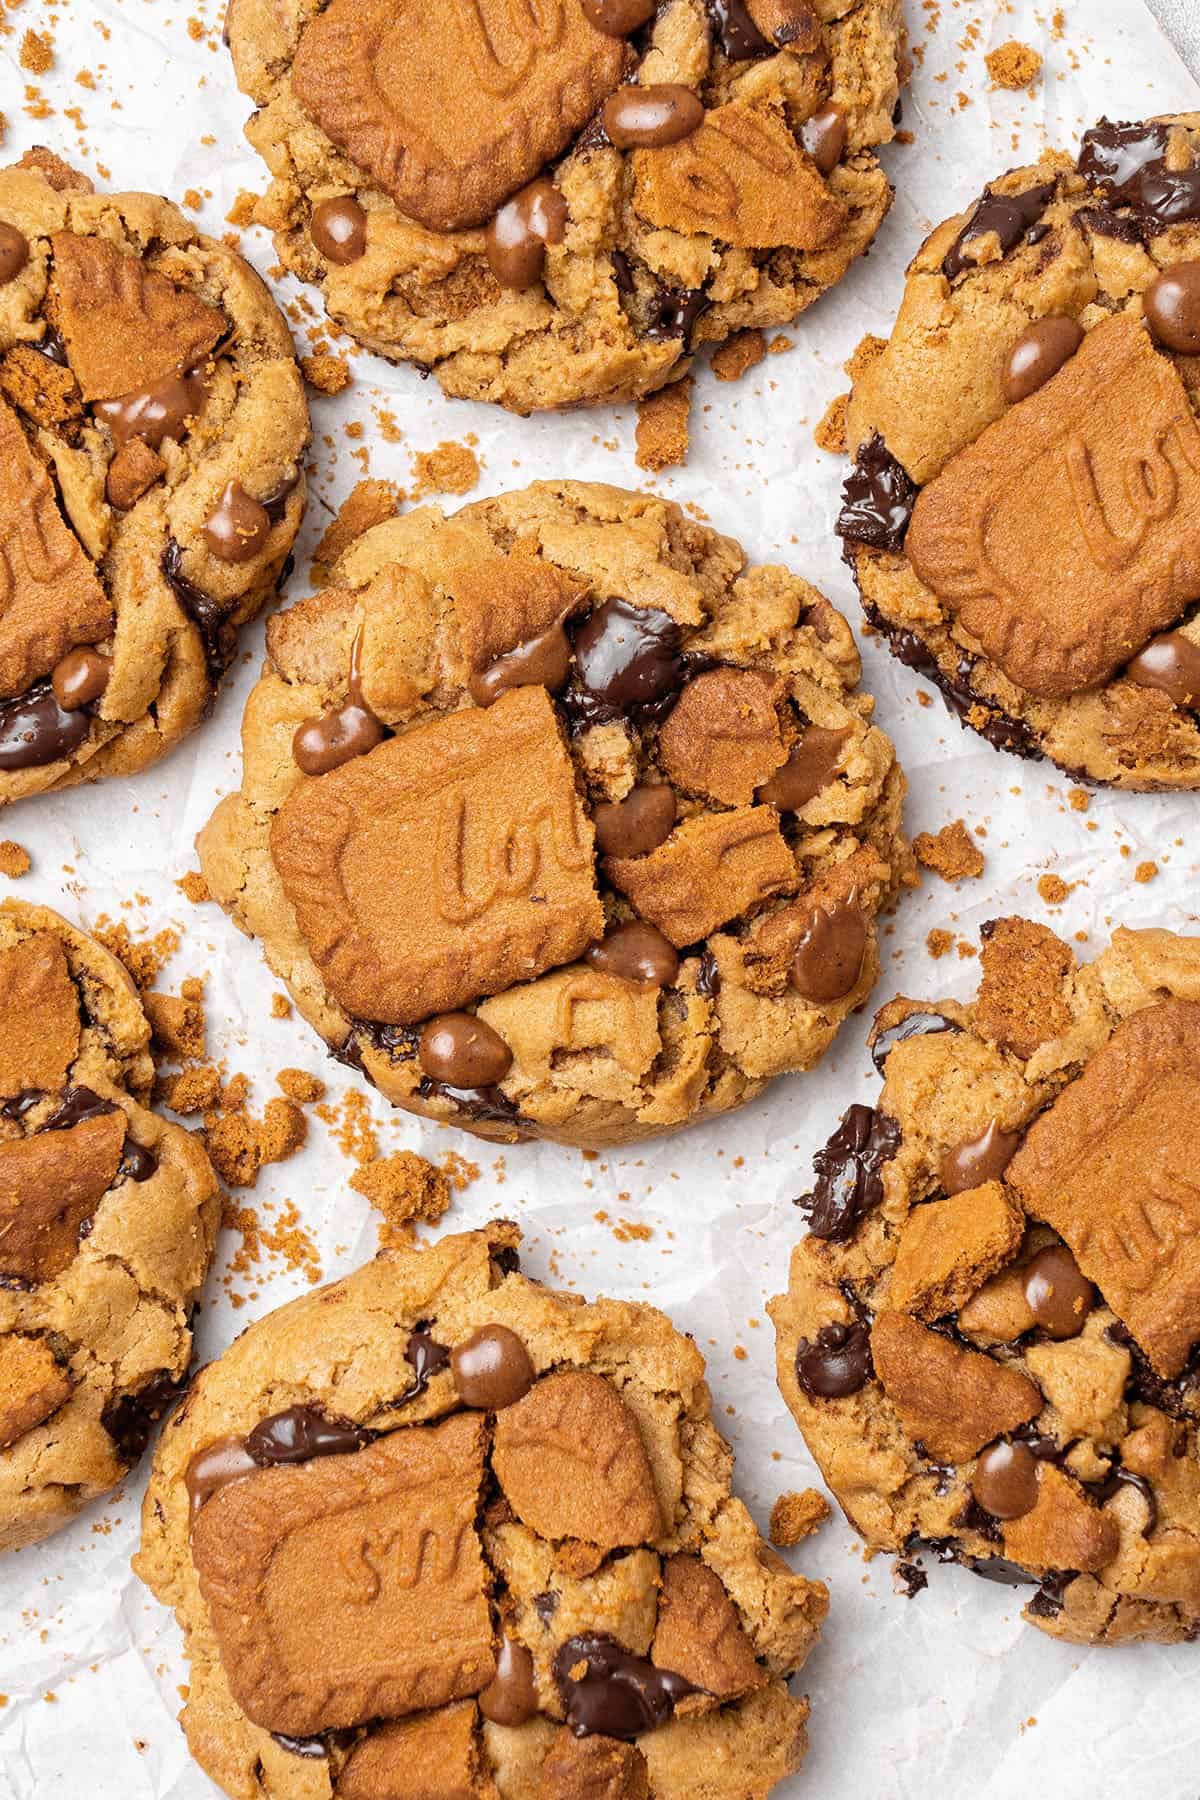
(991, 1335)
(438, 1529)
(558, 820)
(1022, 515)
(152, 424)
(551, 204)
(108, 1215)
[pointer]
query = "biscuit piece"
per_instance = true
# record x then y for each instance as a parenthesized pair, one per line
(559, 820)
(991, 1334)
(458, 182)
(152, 430)
(108, 1215)
(1002, 543)
(372, 1543)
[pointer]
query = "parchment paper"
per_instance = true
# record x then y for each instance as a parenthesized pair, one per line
(947, 1693)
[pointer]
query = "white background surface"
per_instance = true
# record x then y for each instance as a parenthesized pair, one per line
(948, 1693)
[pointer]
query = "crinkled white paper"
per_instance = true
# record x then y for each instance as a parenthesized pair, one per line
(945, 1694)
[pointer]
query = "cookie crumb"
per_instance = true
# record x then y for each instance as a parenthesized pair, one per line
(238, 1144)
(193, 887)
(142, 957)
(743, 351)
(1145, 871)
(369, 503)
(281, 1006)
(797, 1515)
(299, 1085)
(1080, 800)
(867, 350)
(939, 943)
(329, 374)
(1014, 65)
(37, 53)
(404, 1188)
(193, 1090)
(15, 860)
(662, 426)
(831, 432)
(450, 469)
(177, 1022)
(350, 1126)
(951, 852)
(1053, 889)
(241, 213)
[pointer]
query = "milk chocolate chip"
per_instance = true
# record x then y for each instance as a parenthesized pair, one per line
(338, 228)
(165, 409)
(1005, 1482)
(1058, 1295)
(979, 1159)
(491, 1369)
(511, 1696)
(239, 528)
(646, 118)
(542, 661)
(824, 137)
(1038, 354)
(1170, 663)
(516, 238)
(830, 952)
(463, 1051)
(836, 1364)
(346, 731)
(1172, 304)
(14, 252)
(810, 767)
(618, 18)
(636, 952)
(80, 678)
(639, 823)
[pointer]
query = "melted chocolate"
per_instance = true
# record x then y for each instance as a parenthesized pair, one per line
(909, 1579)
(1126, 164)
(130, 1419)
(137, 1163)
(426, 1357)
(877, 499)
(300, 1433)
(217, 635)
(997, 728)
(76, 1105)
(1010, 216)
(626, 657)
(917, 1024)
(836, 1363)
(736, 32)
(224, 1460)
(314, 1746)
(545, 1606)
(36, 730)
(848, 1180)
(1129, 1478)
(21, 1103)
(708, 976)
(490, 1105)
(674, 311)
(1179, 1397)
(619, 1695)
(1047, 1603)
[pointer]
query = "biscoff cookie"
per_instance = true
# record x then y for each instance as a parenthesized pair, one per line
(108, 1215)
(1023, 515)
(991, 1335)
(437, 1529)
(152, 423)
(557, 203)
(558, 820)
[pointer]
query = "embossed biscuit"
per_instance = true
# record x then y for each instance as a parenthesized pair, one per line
(710, 868)
(723, 737)
(39, 1015)
(450, 862)
(953, 1400)
(49, 1186)
(699, 1634)
(450, 109)
(1063, 538)
(352, 1587)
(1109, 1167)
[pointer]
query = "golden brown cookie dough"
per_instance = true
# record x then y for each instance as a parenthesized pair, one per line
(544, 213)
(1022, 516)
(108, 1215)
(439, 1525)
(152, 425)
(991, 1335)
(560, 820)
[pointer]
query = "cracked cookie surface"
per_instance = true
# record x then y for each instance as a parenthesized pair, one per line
(152, 425)
(436, 1528)
(108, 1216)
(553, 205)
(991, 1335)
(1021, 519)
(560, 820)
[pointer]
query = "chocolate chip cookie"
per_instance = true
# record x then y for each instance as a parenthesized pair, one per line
(559, 820)
(991, 1336)
(1023, 513)
(437, 1529)
(108, 1215)
(152, 421)
(546, 204)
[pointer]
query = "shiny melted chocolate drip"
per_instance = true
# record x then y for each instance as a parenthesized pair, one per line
(848, 1180)
(274, 504)
(1129, 1478)
(619, 1695)
(490, 1105)
(1047, 1603)
(425, 1356)
(1126, 163)
(53, 347)
(21, 1103)
(131, 1418)
(877, 499)
(299, 1433)
(999, 729)
(917, 1024)
(1011, 216)
(708, 976)
(137, 1163)
(736, 32)
(36, 730)
(76, 1105)
(628, 665)
(674, 312)
(209, 616)
(836, 1362)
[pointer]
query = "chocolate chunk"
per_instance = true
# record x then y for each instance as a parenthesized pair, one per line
(165, 409)
(639, 823)
(837, 1363)
(77, 1104)
(877, 499)
(137, 1163)
(636, 952)
(1129, 1478)
(209, 616)
(909, 1579)
(130, 1419)
(510, 1698)
(80, 678)
(299, 1433)
(917, 1024)
(485, 1104)
(14, 252)
(674, 311)
(227, 1459)
(607, 1691)
(491, 1370)
(463, 1051)
(1058, 1295)
(1175, 1395)
(1102, 221)
(708, 976)
(1127, 164)
(830, 952)
(979, 1159)
(296, 1746)
(1010, 216)
(239, 528)
(848, 1180)
(1171, 663)
(1038, 354)
(811, 766)
(426, 1357)
(1047, 1603)
(737, 34)
(627, 657)
(1005, 1482)
(545, 1606)
(36, 730)
(648, 117)
(824, 137)
(338, 228)
(1172, 303)
(517, 236)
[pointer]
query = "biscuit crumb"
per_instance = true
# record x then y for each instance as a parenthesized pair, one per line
(238, 1144)
(939, 943)
(867, 350)
(193, 1090)
(177, 1022)
(193, 887)
(739, 353)
(797, 1515)
(662, 426)
(1145, 871)
(450, 469)
(404, 1188)
(1080, 800)
(37, 53)
(367, 504)
(831, 432)
(329, 374)
(15, 860)
(241, 213)
(281, 1006)
(350, 1127)
(142, 957)
(780, 345)
(951, 853)
(299, 1085)
(1014, 65)
(1053, 889)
